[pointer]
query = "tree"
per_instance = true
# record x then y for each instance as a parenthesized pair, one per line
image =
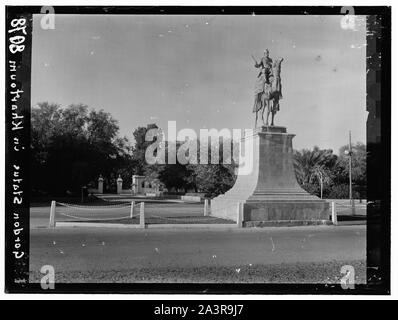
(323, 174)
(215, 178)
(316, 163)
(358, 162)
(140, 147)
(72, 146)
(358, 167)
(45, 118)
(211, 179)
(173, 176)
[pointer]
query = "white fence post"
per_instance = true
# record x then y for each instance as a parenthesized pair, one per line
(132, 210)
(334, 213)
(206, 208)
(142, 215)
(52, 215)
(239, 218)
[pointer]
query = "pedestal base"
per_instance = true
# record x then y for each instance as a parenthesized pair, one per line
(270, 193)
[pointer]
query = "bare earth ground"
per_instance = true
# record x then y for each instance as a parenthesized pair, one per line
(312, 254)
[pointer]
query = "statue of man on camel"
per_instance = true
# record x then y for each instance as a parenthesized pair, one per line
(268, 88)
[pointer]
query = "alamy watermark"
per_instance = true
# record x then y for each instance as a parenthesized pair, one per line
(187, 147)
(348, 279)
(48, 280)
(47, 21)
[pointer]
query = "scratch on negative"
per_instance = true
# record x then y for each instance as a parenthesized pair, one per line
(273, 245)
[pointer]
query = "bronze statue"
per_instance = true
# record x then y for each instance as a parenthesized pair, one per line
(268, 88)
(265, 64)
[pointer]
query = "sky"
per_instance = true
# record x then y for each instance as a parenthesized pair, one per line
(198, 71)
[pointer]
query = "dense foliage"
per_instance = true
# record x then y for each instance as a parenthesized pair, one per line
(325, 174)
(71, 147)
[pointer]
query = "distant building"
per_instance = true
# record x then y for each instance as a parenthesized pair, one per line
(141, 185)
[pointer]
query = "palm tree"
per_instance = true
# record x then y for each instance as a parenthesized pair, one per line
(316, 163)
(323, 174)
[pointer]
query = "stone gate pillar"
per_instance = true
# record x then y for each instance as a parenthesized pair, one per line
(100, 185)
(119, 182)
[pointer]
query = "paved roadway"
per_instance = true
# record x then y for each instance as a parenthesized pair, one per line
(96, 253)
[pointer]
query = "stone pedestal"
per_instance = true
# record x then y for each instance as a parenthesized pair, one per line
(270, 193)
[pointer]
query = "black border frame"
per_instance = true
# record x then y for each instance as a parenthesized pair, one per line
(378, 160)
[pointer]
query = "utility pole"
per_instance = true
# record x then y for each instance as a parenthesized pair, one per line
(349, 153)
(350, 163)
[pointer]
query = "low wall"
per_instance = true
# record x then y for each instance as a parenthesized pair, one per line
(191, 198)
(126, 191)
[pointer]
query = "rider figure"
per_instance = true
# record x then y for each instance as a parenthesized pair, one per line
(266, 66)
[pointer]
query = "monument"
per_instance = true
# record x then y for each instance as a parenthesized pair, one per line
(270, 194)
